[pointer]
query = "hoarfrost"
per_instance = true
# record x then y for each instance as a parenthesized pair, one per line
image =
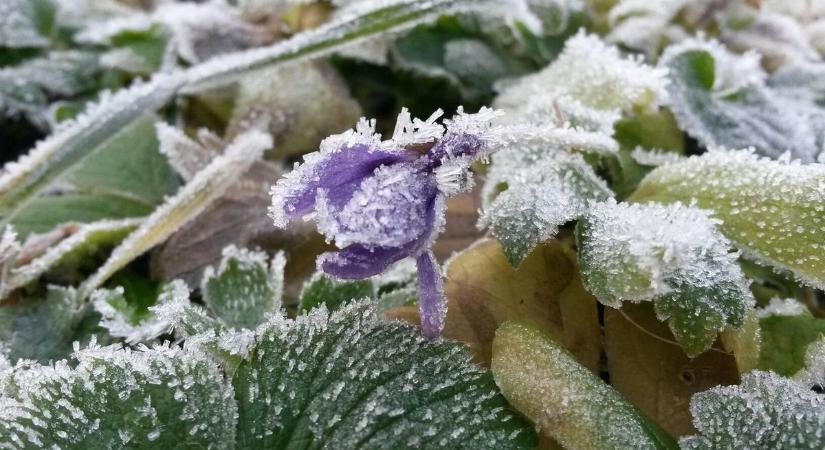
(185, 155)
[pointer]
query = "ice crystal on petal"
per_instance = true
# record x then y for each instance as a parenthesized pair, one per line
(766, 411)
(672, 255)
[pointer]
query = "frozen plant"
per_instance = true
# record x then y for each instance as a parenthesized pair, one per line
(382, 201)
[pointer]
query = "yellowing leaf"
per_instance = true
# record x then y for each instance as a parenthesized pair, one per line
(655, 374)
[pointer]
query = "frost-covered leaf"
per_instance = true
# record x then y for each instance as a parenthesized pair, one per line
(191, 200)
(588, 85)
(184, 317)
(30, 87)
(766, 411)
(813, 375)
(316, 105)
(349, 380)
(245, 288)
(645, 25)
(771, 210)
(529, 193)
(649, 369)
(787, 329)
(671, 255)
(26, 23)
(84, 241)
(41, 328)
(721, 99)
(158, 397)
(237, 218)
(483, 291)
(125, 176)
(563, 398)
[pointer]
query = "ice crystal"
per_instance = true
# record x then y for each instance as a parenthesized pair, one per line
(766, 411)
(771, 210)
(782, 307)
(594, 74)
(349, 379)
(21, 23)
(382, 201)
(645, 25)
(113, 398)
(124, 320)
(672, 255)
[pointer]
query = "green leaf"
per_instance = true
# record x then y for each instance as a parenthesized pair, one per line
(531, 191)
(785, 339)
(244, 290)
(191, 200)
(125, 177)
(41, 328)
(33, 174)
(766, 411)
(771, 210)
(26, 23)
(721, 99)
(111, 398)
(671, 255)
(470, 51)
(563, 398)
(351, 380)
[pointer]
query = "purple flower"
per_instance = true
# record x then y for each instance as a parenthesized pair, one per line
(382, 201)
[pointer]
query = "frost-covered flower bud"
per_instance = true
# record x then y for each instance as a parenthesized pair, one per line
(382, 201)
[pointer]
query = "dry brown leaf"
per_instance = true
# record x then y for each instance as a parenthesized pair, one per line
(484, 290)
(656, 375)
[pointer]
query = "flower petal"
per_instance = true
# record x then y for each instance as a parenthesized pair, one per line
(431, 300)
(358, 262)
(389, 209)
(339, 171)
